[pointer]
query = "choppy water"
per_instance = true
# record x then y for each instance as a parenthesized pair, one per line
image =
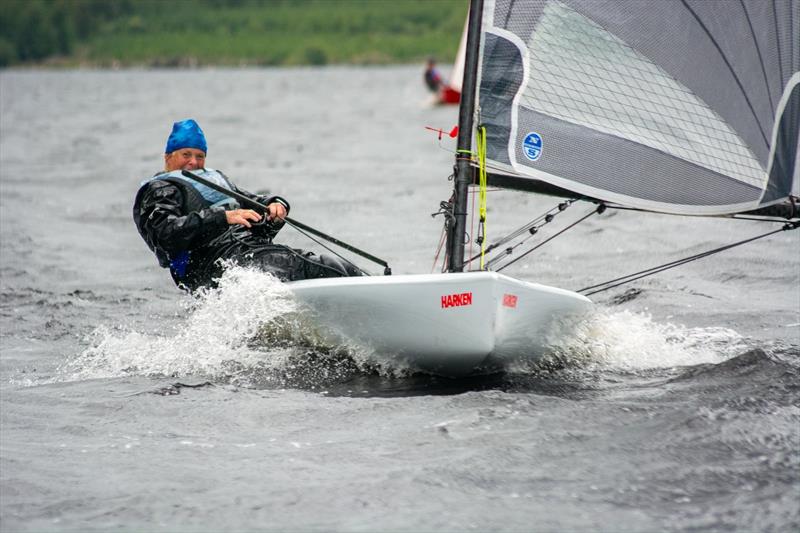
(126, 404)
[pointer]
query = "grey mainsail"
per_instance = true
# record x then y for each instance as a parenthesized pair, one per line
(677, 106)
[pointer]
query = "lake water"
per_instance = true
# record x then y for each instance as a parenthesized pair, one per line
(128, 405)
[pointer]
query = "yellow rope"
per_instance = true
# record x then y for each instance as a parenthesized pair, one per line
(482, 191)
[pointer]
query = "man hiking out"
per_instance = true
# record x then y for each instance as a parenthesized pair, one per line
(196, 231)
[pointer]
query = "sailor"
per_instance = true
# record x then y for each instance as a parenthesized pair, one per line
(196, 231)
(432, 77)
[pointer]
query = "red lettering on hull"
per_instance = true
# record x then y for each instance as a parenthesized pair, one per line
(456, 300)
(509, 300)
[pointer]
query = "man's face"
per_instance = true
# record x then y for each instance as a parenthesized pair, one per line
(185, 159)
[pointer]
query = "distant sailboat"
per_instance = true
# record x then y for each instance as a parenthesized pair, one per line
(671, 106)
(451, 92)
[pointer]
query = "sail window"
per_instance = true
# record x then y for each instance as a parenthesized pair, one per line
(582, 74)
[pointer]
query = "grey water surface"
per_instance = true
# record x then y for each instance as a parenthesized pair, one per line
(128, 405)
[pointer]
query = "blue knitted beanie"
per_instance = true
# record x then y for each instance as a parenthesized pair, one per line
(186, 134)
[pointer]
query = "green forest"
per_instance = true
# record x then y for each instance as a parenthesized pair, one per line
(175, 33)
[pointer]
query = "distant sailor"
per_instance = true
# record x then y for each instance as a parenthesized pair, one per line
(432, 77)
(194, 229)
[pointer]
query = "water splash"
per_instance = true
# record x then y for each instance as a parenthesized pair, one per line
(213, 341)
(626, 340)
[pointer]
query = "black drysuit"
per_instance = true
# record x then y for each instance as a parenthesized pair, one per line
(192, 238)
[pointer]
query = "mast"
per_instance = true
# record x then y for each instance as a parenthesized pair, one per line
(463, 170)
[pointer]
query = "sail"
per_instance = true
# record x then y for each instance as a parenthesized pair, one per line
(678, 106)
(457, 74)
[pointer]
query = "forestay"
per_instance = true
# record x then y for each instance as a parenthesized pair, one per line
(678, 106)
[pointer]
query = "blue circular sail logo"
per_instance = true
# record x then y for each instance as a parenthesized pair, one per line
(532, 146)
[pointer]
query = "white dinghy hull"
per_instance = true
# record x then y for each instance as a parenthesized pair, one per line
(452, 325)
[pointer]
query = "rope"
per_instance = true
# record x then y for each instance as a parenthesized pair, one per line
(439, 249)
(482, 194)
(755, 218)
(246, 238)
(666, 266)
(471, 227)
(600, 208)
(531, 228)
(340, 256)
(446, 210)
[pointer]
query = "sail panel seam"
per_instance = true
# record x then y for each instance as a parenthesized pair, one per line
(732, 71)
(758, 52)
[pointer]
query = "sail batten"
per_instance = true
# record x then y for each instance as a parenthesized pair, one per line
(668, 105)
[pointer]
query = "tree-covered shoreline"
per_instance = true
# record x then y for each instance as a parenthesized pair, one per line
(168, 33)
